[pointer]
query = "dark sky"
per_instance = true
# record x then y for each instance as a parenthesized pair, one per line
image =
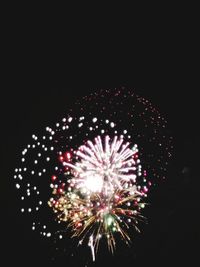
(40, 85)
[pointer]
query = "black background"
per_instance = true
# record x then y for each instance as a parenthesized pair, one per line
(45, 74)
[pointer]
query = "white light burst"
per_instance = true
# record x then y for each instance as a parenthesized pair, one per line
(105, 166)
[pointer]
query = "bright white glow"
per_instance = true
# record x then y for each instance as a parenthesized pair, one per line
(17, 186)
(94, 183)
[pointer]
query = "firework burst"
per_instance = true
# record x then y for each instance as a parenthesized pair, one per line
(92, 171)
(101, 189)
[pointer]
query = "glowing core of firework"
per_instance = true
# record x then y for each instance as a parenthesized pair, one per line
(94, 183)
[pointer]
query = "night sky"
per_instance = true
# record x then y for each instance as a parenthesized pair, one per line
(39, 89)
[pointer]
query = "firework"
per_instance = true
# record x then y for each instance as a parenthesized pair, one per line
(101, 190)
(92, 171)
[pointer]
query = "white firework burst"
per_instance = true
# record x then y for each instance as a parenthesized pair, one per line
(105, 166)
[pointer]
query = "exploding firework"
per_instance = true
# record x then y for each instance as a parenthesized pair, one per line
(92, 171)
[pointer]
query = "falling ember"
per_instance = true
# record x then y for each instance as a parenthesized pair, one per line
(93, 170)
